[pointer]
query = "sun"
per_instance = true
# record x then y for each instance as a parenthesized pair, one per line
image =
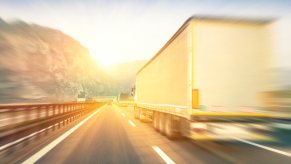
(106, 61)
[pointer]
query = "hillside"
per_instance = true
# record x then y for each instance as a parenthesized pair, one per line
(43, 64)
(40, 64)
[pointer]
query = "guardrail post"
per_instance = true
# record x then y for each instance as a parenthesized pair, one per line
(11, 115)
(54, 110)
(73, 110)
(48, 107)
(38, 112)
(27, 113)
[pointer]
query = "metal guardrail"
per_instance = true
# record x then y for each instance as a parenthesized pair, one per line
(15, 114)
(19, 121)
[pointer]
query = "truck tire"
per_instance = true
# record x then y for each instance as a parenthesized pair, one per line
(135, 112)
(140, 116)
(169, 127)
(162, 123)
(156, 120)
(185, 128)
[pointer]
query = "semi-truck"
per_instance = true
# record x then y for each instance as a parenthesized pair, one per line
(208, 81)
(125, 99)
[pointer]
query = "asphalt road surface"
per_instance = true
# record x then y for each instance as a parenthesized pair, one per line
(112, 135)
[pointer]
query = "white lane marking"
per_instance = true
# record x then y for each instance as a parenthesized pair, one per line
(131, 123)
(163, 155)
(34, 158)
(264, 147)
(117, 108)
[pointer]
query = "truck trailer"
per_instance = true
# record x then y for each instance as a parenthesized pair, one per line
(208, 81)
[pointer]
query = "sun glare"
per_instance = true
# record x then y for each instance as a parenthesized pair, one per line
(107, 61)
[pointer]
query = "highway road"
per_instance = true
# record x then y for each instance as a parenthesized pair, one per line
(112, 135)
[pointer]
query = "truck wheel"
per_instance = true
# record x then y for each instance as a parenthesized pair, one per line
(185, 129)
(156, 121)
(168, 126)
(140, 115)
(162, 123)
(135, 112)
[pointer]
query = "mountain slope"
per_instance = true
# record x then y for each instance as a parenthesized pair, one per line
(40, 64)
(43, 64)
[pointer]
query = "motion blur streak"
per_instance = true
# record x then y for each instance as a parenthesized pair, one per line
(264, 147)
(214, 89)
(34, 158)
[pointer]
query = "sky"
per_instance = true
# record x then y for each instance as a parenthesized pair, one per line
(119, 31)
